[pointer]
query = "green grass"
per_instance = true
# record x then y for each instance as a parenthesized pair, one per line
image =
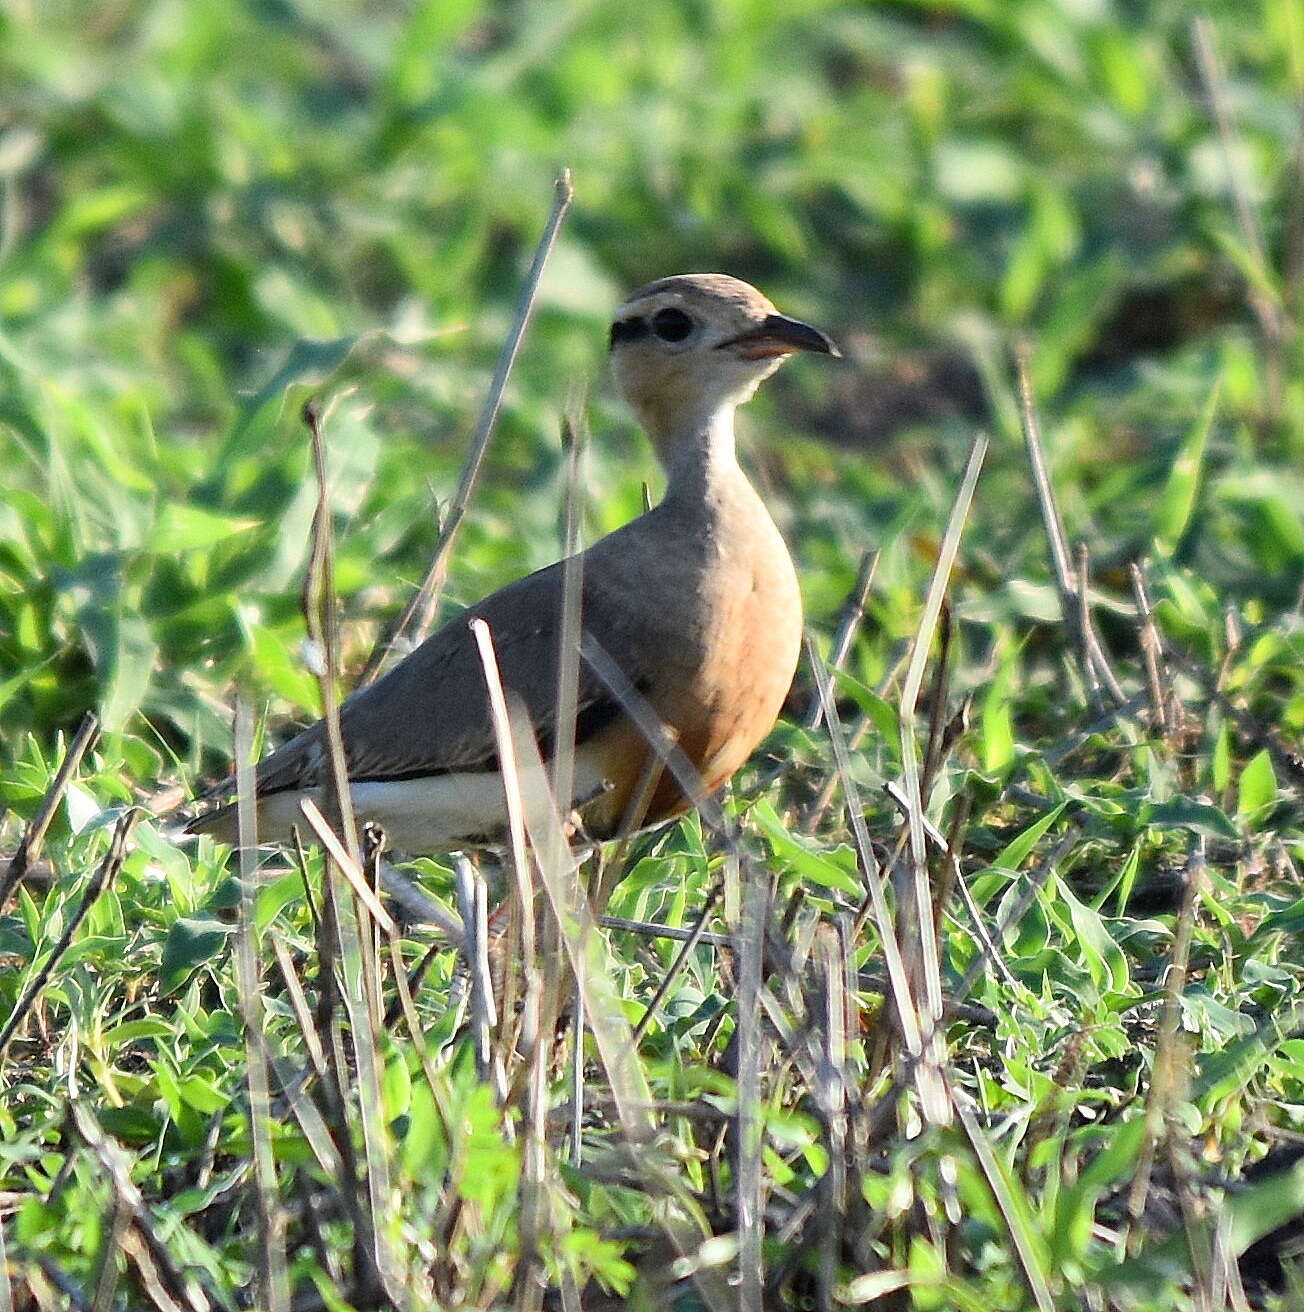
(210, 213)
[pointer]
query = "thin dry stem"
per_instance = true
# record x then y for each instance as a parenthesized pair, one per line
(1021, 1239)
(1091, 656)
(691, 939)
(142, 1242)
(473, 905)
(378, 1270)
(271, 1279)
(749, 1186)
(509, 770)
(1152, 652)
(29, 847)
(418, 615)
(104, 875)
(568, 656)
(902, 994)
(347, 866)
(927, 976)
(582, 943)
(850, 618)
(318, 605)
(1166, 1070)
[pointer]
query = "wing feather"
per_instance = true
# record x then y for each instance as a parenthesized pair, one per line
(430, 715)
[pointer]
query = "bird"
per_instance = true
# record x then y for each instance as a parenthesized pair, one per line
(696, 601)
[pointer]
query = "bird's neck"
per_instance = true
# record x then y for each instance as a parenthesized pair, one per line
(700, 460)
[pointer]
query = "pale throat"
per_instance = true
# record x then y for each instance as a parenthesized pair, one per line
(699, 455)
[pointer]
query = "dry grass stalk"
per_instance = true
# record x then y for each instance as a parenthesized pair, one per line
(691, 939)
(359, 1004)
(831, 1095)
(33, 839)
(1166, 1070)
(1082, 586)
(939, 740)
(1091, 655)
(302, 1013)
(991, 954)
(271, 1277)
(308, 1117)
(420, 907)
(651, 929)
(1152, 653)
(412, 982)
(824, 799)
(509, 769)
(1287, 759)
(580, 939)
(105, 1281)
(590, 970)
(419, 613)
(568, 656)
(1013, 1211)
(317, 603)
(377, 1269)
(920, 931)
(168, 1283)
(850, 618)
(348, 867)
(104, 875)
(918, 924)
(473, 904)
(407, 1006)
(902, 995)
(749, 1181)
(576, 1141)
(538, 1004)
(542, 989)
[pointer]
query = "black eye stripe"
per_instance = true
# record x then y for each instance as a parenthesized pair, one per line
(628, 330)
(669, 324)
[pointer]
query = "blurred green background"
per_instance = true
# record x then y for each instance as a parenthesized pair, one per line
(210, 211)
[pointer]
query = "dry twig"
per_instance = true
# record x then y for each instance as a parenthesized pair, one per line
(29, 848)
(418, 615)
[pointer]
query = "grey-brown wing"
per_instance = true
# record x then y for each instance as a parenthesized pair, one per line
(429, 714)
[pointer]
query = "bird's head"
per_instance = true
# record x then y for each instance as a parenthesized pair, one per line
(687, 347)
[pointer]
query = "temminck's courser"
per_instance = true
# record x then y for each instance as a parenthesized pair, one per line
(696, 601)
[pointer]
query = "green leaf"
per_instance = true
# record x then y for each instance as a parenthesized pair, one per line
(805, 861)
(131, 1030)
(1183, 813)
(1258, 787)
(202, 1094)
(1103, 956)
(396, 1086)
(997, 721)
(272, 898)
(1074, 1212)
(129, 673)
(183, 527)
(1015, 852)
(882, 713)
(192, 941)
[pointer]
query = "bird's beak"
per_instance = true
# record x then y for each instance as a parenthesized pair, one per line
(776, 334)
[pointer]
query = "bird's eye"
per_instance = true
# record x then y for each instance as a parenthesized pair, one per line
(671, 325)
